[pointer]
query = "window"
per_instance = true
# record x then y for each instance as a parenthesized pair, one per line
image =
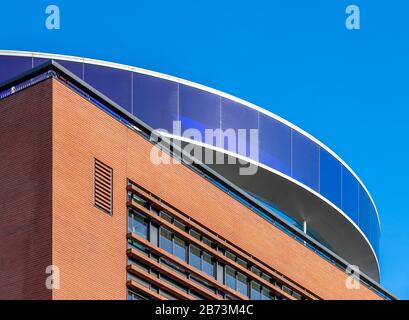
(194, 234)
(230, 255)
(208, 264)
(138, 224)
(135, 296)
(153, 234)
(139, 200)
(200, 259)
(165, 216)
(165, 240)
(242, 263)
(140, 265)
(207, 241)
(265, 294)
(176, 268)
(173, 283)
(230, 277)
(220, 273)
(255, 291)
(194, 257)
(179, 225)
(179, 248)
(203, 283)
(242, 286)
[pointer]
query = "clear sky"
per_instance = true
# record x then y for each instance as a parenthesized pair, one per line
(350, 89)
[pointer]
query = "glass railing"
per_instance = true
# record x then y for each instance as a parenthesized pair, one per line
(159, 102)
(217, 180)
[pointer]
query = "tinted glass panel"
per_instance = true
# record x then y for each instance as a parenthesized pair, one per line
(330, 177)
(194, 257)
(275, 144)
(242, 286)
(199, 110)
(364, 212)
(265, 294)
(240, 120)
(155, 101)
(230, 277)
(138, 225)
(255, 291)
(350, 195)
(208, 264)
(375, 231)
(76, 68)
(305, 160)
(11, 67)
(115, 84)
(165, 240)
(179, 248)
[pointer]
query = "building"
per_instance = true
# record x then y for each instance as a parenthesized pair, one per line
(80, 193)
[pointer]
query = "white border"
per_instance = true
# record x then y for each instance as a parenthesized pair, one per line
(191, 84)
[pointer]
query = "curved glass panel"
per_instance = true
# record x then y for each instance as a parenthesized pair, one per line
(350, 195)
(241, 120)
(305, 160)
(11, 67)
(76, 68)
(364, 212)
(274, 144)
(114, 83)
(155, 101)
(199, 110)
(159, 102)
(375, 231)
(330, 177)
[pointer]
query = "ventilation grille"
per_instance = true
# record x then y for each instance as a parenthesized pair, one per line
(103, 177)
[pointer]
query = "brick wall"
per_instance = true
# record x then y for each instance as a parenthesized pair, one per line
(89, 246)
(25, 193)
(85, 131)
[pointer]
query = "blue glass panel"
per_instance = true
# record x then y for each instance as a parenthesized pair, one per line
(255, 291)
(330, 177)
(242, 285)
(199, 110)
(115, 84)
(305, 160)
(11, 67)
(230, 278)
(241, 119)
(194, 257)
(139, 226)
(165, 240)
(364, 212)
(179, 248)
(275, 144)
(208, 264)
(155, 101)
(375, 231)
(350, 195)
(76, 68)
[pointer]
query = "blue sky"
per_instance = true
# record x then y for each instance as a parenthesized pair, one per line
(296, 58)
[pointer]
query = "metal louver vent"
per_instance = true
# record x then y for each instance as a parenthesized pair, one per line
(103, 185)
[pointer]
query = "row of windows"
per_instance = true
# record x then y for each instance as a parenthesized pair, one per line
(165, 278)
(193, 255)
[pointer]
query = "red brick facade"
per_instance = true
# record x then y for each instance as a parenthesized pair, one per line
(49, 138)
